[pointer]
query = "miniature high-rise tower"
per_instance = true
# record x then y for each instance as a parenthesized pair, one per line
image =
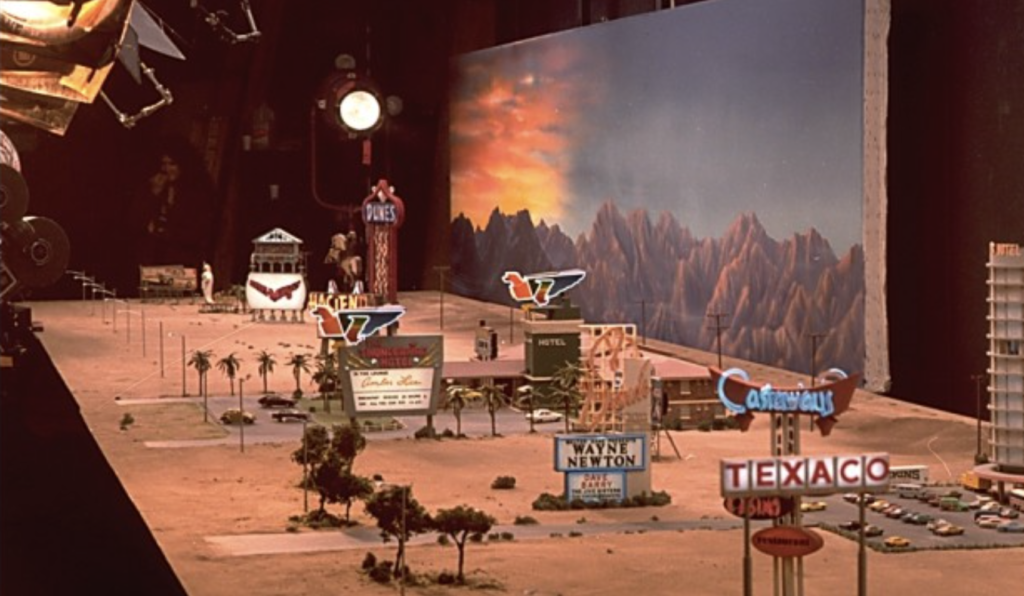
(1006, 356)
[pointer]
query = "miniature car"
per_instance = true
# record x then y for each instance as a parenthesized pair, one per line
(234, 415)
(1008, 513)
(274, 400)
(948, 530)
(936, 523)
(290, 415)
(920, 519)
(1012, 526)
(870, 530)
(543, 415)
(895, 512)
(991, 508)
(879, 505)
(988, 521)
(897, 542)
(813, 506)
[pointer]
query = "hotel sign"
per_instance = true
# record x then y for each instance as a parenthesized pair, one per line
(392, 375)
(744, 398)
(600, 453)
(797, 475)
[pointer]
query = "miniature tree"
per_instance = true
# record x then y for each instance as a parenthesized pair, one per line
(330, 459)
(566, 388)
(229, 366)
(336, 484)
(299, 364)
(457, 397)
(200, 360)
(494, 399)
(526, 398)
(326, 378)
(266, 366)
(460, 523)
(398, 516)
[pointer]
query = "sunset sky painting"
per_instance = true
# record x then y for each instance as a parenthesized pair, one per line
(705, 112)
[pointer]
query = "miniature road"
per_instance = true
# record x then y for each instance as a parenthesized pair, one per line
(361, 537)
(475, 423)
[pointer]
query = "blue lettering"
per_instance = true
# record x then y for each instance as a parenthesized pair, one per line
(769, 399)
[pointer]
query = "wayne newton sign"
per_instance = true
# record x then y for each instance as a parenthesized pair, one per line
(592, 453)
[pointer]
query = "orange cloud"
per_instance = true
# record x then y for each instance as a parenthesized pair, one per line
(510, 141)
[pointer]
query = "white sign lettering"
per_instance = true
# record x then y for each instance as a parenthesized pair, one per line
(804, 475)
(391, 389)
(600, 452)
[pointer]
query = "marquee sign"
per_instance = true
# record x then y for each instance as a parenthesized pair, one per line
(541, 288)
(824, 402)
(275, 291)
(398, 375)
(787, 541)
(759, 507)
(595, 486)
(354, 325)
(797, 475)
(600, 453)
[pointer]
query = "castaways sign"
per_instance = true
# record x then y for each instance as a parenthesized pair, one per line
(797, 475)
(787, 541)
(824, 402)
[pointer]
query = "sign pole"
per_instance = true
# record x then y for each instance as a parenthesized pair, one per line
(862, 556)
(748, 564)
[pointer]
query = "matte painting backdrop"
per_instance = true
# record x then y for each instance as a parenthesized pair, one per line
(705, 159)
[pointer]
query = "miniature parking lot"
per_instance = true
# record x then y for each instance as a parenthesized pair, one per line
(920, 537)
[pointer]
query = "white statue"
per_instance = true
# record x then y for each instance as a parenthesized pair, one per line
(207, 283)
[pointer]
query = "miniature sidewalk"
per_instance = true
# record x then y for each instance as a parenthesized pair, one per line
(240, 545)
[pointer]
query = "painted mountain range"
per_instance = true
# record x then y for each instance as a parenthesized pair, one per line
(778, 294)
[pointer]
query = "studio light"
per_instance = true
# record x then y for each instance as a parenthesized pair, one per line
(351, 104)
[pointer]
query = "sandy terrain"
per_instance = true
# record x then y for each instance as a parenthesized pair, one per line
(189, 494)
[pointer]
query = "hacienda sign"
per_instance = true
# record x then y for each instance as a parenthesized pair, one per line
(824, 402)
(798, 475)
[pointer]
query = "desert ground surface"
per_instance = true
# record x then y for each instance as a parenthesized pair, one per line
(200, 495)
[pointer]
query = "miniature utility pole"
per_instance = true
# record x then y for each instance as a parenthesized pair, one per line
(441, 270)
(979, 457)
(718, 326)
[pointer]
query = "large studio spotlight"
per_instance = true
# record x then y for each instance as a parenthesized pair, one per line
(351, 104)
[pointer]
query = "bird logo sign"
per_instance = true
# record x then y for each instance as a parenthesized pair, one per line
(541, 288)
(354, 325)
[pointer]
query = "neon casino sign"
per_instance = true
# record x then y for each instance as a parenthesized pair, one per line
(823, 402)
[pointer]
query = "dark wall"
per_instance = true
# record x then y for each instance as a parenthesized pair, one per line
(956, 147)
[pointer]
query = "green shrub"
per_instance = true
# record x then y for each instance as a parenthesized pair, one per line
(504, 482)
(525, 520)
(508, 536)
(369, 561)
(126, 421)
(494, 536)
(445, 578)
(448, 434)
(477, 537)
(427, 432)
(575, 534)
(443, 540)
(381, 573)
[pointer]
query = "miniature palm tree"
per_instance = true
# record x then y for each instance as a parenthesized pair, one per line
(494, 399)
(266, 366)
(566, 388)
(456, 398)
(200, 360)
(326, 378)
(526, 399)
(299, 364)
(229, 365)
